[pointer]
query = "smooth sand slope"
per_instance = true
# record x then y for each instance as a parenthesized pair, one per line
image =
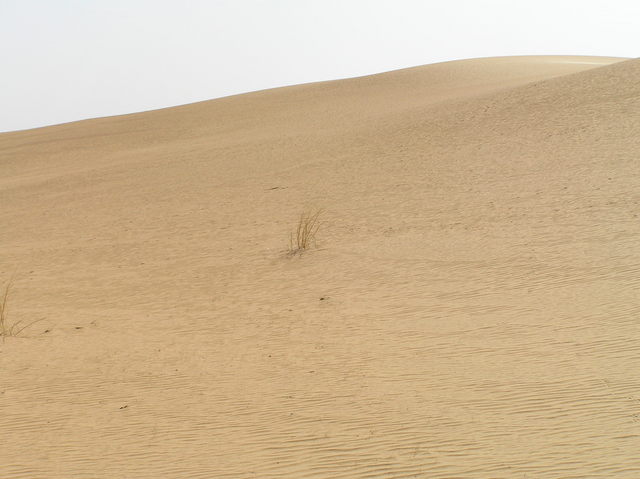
(472, 309)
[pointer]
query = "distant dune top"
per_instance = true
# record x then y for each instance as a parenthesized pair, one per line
(442, 78)
(329, 107)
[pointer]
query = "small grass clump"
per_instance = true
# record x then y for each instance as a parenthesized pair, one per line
(7, 329)
(305, 233)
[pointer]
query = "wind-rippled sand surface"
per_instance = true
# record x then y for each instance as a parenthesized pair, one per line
(471, 311)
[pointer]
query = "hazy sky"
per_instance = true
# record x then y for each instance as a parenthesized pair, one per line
(65, 60)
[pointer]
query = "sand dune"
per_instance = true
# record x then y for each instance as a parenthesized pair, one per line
(470, 311)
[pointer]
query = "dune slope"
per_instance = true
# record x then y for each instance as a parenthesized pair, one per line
(470, 311)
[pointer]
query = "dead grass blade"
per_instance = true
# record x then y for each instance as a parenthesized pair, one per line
(4, 328)
(7, 329)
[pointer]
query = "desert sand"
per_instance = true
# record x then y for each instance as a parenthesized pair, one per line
(470, 308)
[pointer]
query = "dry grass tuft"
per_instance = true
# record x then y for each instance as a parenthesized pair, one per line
(4, 329)
(305, 234)
(7, 329)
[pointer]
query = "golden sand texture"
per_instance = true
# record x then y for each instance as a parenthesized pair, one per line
(471, 309)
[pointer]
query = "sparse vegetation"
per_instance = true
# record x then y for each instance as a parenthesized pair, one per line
(3, 310)
(305, 234)
(7, 329)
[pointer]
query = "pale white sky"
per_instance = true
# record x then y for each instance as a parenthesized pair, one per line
(65, 60)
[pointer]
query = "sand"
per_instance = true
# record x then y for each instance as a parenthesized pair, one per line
(470, 308)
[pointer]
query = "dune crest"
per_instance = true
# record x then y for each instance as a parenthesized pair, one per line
(469, 309)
